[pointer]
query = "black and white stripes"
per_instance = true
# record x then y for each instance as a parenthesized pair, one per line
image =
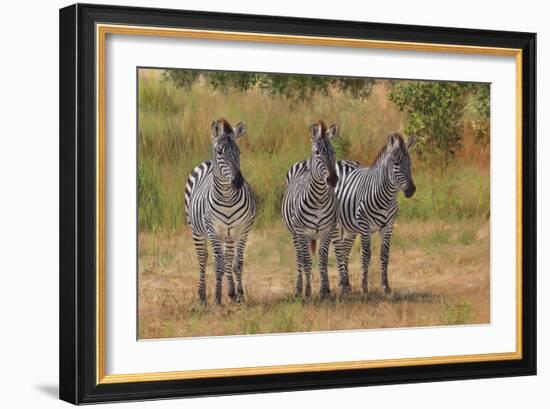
(221, 208)
(310, 207)
(367, 199)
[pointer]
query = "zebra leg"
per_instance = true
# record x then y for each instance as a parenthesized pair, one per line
(229, 252)
(300, 267)
(238, 267)
(386, 234)
(342, 248)
(365, 261)
(306, 263)
(217, 250)
(202, 257)
(323, 266)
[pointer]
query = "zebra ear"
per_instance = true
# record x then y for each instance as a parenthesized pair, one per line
(332, 131)
(315, 131)
(393, 141)
(410, 142)
(239, 130)
(216, 129)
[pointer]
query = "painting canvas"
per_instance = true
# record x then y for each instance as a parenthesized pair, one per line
(279, 203)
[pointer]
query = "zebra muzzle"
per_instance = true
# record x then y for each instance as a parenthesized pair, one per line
(238, 180)
(410, 190)
(332, 179)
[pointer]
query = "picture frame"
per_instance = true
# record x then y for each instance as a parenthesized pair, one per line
(83, 218)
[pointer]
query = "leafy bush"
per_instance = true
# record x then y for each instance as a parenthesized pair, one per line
(341, 145)
(435, 112)
(481, 111)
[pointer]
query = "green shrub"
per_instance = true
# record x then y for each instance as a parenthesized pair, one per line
(435, 114)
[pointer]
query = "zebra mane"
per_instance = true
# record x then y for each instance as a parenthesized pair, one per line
(227, 128)
(323, 126)
(382, 154)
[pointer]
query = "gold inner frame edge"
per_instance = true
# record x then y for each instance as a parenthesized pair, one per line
(101, 33)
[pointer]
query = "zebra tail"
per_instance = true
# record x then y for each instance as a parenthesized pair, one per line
(313, 244)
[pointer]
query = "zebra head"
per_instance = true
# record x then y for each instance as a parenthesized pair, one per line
(323, 159)
(400, 162)
(226, 156)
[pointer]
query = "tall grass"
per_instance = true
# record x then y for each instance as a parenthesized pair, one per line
(455, 193)
(174, 137)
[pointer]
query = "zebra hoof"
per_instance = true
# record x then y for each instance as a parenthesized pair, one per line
(325, 295)
(240, 295)
(307, 301)
(344, 293)
(387, 290)
(202, 297)
(345, 289)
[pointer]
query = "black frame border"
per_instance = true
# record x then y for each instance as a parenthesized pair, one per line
(77, 316)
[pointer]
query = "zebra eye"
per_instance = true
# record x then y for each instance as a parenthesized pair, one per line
(316, 151)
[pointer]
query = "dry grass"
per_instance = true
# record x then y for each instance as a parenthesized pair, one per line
(441, 279)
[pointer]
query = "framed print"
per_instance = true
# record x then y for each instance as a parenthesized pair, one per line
(257, 203)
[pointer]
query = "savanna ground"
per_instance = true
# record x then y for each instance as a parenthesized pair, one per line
(439, 262)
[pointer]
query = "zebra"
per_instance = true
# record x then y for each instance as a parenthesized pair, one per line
(220, 207)
(310, 207)
(367, 199)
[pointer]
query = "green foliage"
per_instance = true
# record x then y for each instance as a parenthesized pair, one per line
(481, 105)
(291, 87)
(342, 145)
(227, 81)
(181, 78)
(359, 88)
(481, 111)
(435, 114)
(295, 87)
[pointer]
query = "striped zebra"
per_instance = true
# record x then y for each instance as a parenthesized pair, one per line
(367, 198)
(310, 206)
(221, 208)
